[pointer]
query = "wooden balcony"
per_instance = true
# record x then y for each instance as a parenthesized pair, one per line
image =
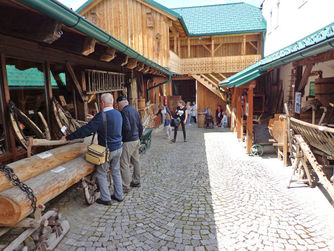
(230, 64)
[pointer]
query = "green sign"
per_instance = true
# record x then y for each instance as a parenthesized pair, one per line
(312, 89)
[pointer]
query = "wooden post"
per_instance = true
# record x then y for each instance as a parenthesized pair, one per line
(10, 140)
(243, 47)
(48, 90)
(239, 113)
(234, 93)
(175, 44)
(188, 48)
(212, 47)
(179, 47)
(249, 137)
(285, 142)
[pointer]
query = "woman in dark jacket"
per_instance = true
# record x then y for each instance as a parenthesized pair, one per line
(181, 113)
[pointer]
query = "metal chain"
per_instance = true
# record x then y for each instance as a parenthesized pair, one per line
(9, 172)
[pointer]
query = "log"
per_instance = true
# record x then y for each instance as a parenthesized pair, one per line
(14, 204)
(40, 163)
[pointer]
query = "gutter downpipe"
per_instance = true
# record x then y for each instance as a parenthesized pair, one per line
(163, 83)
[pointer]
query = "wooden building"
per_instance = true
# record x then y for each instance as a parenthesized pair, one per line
(202, 45)
(299, 75)
(51, 59)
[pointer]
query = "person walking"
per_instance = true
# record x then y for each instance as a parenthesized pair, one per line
(166, 117)
(132, 130)
(181, 113)
(114, 142)
(219, 115)
(188, 122)
(194, 112)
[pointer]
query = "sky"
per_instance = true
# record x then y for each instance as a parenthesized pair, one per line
(75, 4)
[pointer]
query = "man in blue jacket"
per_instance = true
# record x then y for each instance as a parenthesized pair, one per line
(132, 130)
(114, 140)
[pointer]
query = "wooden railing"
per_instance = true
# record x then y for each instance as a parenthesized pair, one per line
(211, 64)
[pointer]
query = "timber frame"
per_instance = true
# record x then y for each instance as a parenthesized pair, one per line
(58, 49)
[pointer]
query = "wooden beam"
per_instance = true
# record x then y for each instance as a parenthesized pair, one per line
(222, 75)
(75, 81)
(253, 45)
(189, 48)
(33, 51)
(249, 136)
(109, 55)
(215, 78)
(88, 46)
(209, 80)
(132, 63)
(126, 60)
(8, 130)
(140, 67)
(322, 57)
(220, 45)
(146, 69)
(212, 47)
(204, 45)
(306, 74)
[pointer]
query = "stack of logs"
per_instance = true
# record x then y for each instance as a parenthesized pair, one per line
(48, 174)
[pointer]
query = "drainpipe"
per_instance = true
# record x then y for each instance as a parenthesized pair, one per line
(163, 83)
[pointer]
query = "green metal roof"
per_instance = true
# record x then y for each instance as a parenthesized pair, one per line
(63, 14)
(318, 42)
(29, 78)
(222, 19)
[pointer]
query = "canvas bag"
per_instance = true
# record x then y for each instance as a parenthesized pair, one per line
(97, 154)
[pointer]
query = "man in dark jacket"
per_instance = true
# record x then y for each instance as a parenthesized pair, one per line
(132, 130)
(114, 142)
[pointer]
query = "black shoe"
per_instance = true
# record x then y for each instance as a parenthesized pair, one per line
(185, 140)
(102, 202)
(126, 190)
(132, 184)
(173, 140)
(114, 198)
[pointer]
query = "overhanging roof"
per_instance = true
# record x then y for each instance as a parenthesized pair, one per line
(220, 19)
(63, 14)
(210, 20)
(318, 42)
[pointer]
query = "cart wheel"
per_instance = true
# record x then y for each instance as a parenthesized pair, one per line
(257, 150)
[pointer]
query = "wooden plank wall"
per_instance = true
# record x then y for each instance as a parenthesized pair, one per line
(138, 26)
(206, 98)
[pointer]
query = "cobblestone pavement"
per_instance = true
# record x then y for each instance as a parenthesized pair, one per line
(206, 194)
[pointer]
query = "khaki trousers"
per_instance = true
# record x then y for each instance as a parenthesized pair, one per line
(130, 156)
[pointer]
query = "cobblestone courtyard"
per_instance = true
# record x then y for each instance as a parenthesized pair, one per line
(206, 194)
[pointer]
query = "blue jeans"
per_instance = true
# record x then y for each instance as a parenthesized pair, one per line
(101, 175)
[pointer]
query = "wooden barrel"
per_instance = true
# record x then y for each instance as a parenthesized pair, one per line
(141, 103)
(201, 120)
(324, 90)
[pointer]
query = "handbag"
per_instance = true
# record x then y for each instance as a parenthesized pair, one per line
(175, 122)
(97, 154)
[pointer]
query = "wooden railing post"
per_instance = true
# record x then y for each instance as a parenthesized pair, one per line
(249, 137)
(239, 113)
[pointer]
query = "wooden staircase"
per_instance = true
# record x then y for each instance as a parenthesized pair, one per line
(211, 82)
